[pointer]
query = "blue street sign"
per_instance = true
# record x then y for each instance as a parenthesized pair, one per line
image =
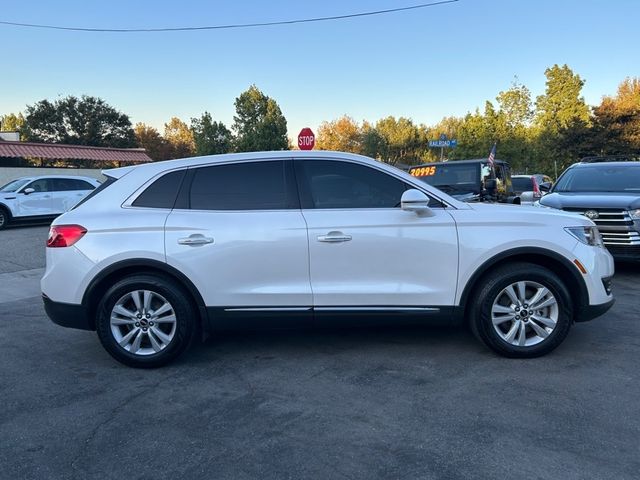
(443, 137)
(443, 143)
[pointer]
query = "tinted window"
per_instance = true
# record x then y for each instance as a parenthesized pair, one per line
(522, 184)
(600, 178)
(162, 193)
(69, 184)
(242, 186)
(41, 185)
(109, 181)
(334, 184)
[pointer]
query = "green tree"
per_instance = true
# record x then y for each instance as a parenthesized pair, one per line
(79, 121)
(150, 139)
(402, 143)
(515, 105)
(342, 134)
(210, 137)
(259, 123)
(12, 123)
(180, 138)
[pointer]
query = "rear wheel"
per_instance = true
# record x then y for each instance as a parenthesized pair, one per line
(522, 310)
(4, 217)
(146, 321)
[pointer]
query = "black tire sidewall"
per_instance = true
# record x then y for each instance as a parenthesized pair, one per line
(175, 295)
(481, 321)
(4, 218)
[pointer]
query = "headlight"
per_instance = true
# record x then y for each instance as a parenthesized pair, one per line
(587, 235)
(635, 214)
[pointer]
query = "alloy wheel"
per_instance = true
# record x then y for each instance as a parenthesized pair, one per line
(524, 313)
(143, 322)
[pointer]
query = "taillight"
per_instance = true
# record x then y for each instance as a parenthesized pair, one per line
(65, 235)
(536, 189)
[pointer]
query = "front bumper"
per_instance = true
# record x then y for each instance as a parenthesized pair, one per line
(67, 314)
(589, 312)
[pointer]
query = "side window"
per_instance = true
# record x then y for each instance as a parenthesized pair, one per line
(337, 184)
(264, 185)
(69, 184)
(77, 184)
(161, 193)
(41, 185)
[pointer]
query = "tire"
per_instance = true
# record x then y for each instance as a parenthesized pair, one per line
(4, 217)
(517, 333)
(146, 337)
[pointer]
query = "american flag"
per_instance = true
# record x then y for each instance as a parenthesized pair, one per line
(492, 155)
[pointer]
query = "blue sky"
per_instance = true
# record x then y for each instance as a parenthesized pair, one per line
(423, 64)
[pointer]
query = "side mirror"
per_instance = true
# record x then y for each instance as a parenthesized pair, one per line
(545, 187)
(415, 201)
(28, 191)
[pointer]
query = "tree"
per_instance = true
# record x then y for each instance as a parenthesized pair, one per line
(401, 140)
(561, 105)
(150, 139)
(515, 105)
(342, 134)
(78, 121)
(259, 123)
(617, 120)
(12, 123)
(210, 137)
(180, 138)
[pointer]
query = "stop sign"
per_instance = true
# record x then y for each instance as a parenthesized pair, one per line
(306, 139)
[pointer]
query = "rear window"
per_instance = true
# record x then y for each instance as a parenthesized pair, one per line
(108, 182)
(162, 193)
(522, 184)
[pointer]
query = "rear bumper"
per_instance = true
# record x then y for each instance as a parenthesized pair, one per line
(67, 314)
(590, 312)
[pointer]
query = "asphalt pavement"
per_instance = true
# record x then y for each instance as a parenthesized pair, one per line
(399, 403)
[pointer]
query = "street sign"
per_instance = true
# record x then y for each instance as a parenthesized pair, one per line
(306, 139)
(453, 143)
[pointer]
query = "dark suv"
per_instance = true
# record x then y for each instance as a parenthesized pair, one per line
(470, 180)
(607, 192)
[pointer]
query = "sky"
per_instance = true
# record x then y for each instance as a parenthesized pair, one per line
(423, 64)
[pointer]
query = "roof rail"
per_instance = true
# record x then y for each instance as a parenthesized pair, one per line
(611, 158)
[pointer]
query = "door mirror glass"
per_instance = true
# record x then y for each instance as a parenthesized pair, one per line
(28, 191)
(416, 201)
(545, 187)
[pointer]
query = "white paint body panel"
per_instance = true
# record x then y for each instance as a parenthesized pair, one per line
(393, 258)
(256, 258)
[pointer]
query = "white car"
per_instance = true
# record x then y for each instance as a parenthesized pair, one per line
(166, 249)
(42, 197)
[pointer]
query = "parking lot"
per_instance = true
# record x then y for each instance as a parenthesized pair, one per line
(385, 403)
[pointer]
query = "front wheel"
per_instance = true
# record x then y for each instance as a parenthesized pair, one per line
(522, 310)
(4, 218)
(145, 321)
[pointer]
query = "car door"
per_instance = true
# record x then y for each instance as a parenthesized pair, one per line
(367, 253)
(238, 233)
(67, 192)
(37, 202)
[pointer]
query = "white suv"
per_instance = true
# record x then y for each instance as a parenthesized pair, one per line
(163, 250)
(42, 197)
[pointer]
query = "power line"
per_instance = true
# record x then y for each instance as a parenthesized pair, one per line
(225, 27)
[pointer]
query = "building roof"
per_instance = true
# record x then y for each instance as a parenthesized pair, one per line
(76, 152)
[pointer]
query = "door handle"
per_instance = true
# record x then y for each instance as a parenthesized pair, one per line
(334, 237)
(195, 240)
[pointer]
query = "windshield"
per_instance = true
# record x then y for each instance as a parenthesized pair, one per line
(449, 177)
(600, 179)
(14, 185)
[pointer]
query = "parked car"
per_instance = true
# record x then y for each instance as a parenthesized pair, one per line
(527, 188)
(41, 197)
(608, 193)
(545, 182)
(166, 249)
(470, 180)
